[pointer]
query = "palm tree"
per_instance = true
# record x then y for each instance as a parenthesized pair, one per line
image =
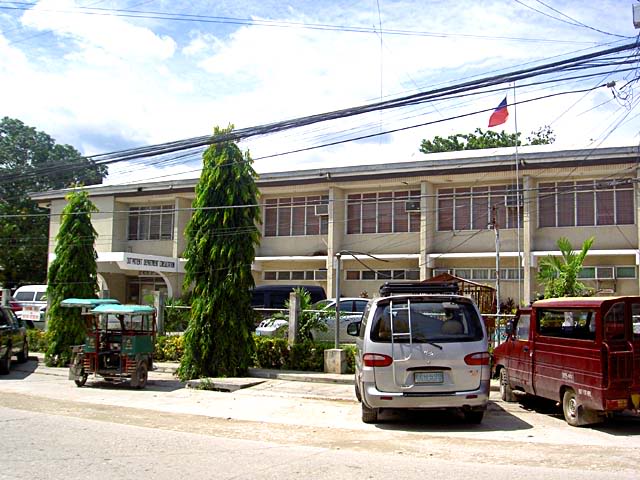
(559, 275)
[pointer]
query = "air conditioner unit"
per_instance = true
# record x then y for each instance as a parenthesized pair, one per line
(412, 206)
(322, 209)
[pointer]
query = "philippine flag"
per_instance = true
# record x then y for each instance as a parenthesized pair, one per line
(500, 114)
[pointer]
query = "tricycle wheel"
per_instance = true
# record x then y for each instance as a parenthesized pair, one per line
(142, 374)
(82, 380)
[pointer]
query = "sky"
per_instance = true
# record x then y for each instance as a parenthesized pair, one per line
(109, 75)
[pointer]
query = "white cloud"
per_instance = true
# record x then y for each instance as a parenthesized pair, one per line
(103, 82)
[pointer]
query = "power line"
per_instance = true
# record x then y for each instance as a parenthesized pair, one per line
(184, 17)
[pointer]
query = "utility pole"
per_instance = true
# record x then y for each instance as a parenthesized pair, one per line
(496, 229)
(337, 333)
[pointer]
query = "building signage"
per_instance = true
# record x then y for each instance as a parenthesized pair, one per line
(148, 263)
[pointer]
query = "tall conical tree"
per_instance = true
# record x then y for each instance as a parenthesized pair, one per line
(222, 236)
(73, 273)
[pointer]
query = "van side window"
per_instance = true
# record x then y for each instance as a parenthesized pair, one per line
(635, 318)
(563, 323)
(522, 327)
(365, 316)
(614, 322)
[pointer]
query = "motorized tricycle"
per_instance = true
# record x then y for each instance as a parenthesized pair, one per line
(118, 346)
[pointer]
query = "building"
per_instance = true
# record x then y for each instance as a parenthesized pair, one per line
(410, 220)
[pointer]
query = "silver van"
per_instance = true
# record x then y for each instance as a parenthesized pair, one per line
(422, 350)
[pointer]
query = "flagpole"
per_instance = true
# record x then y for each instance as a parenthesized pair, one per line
(515, 121)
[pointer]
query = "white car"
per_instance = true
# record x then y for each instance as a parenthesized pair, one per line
(351, 309)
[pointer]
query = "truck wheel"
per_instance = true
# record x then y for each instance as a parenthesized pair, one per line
(369, 415)
(23, 356)
(5, 363)
(505, 388)
(82, 380)
(142, 375)
(571, 409)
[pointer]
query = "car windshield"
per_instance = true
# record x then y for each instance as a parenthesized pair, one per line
(427, 321)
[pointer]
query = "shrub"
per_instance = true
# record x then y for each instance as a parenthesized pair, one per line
(169, 348)
(37, 340)
(306, 356)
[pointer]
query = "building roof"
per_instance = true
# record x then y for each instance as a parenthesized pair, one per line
(467, 161)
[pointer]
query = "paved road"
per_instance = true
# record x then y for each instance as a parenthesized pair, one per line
(283, 429)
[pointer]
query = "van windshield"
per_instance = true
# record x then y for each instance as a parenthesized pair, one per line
(426, 320)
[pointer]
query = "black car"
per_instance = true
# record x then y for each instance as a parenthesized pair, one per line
(13, 339)
(275, 296)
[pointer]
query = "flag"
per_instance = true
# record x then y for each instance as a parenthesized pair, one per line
(500, 114)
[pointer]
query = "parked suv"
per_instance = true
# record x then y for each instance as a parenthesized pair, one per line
(421, 346)
(13, 339)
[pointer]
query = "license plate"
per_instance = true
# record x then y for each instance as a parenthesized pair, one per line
(428, 377)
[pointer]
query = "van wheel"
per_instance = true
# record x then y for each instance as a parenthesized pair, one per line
(369, 415)
(571, 409)
(473, 416)
(505, 388)
(357, 389)
(5, 363)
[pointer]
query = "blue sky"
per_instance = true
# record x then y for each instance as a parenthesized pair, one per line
(107, 75)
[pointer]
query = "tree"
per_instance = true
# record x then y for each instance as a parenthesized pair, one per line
(72, 274)
(485, 139)
(559, 275)
(31, 161)
(222, 237)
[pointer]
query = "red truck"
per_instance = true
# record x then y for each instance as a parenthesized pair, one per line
(581, 352)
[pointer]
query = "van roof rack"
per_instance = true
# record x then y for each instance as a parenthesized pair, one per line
(395, 288)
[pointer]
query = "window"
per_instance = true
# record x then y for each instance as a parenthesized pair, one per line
(428, 321)
(585, 203)
(382, 212)
(294, 275)
(576, 324)
(522, 327)
(151, 223)
(472, 208)
(385, 275)
(626, 272)
(614, 322)
(607, 272)
(293, 216)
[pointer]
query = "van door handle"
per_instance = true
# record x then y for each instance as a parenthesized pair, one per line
(525, 348)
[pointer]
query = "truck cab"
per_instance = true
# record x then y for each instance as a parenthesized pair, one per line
(581, 352)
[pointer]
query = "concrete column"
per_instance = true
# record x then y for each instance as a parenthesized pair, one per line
(529, 220)
(636, 189)
(159, 304)
(6, 294)
(428, 215)
(180, 220)
(294, 318)
(335, 234)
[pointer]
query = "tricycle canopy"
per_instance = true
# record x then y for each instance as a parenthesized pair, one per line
(88, 302)
(123, 309)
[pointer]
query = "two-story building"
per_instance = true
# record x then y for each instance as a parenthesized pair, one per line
(409, 220)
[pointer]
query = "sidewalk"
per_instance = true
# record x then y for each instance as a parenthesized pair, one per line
(226, 384)
(263, 373)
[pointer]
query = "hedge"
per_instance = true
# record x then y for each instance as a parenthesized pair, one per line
(274, 353)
